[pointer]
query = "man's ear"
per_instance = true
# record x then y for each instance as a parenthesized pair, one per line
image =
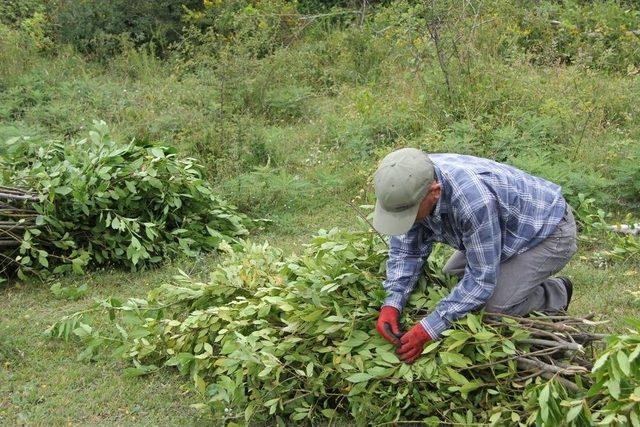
(435, 190)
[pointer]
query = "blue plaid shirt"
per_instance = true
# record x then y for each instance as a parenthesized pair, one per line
(491, 211)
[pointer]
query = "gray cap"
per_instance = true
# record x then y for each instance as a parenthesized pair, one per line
(401, 182)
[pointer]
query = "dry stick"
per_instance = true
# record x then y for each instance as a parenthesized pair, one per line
(33, 215)
(432, 28)
(570, 385)
(589, 316)
(11, 196)
(9, 243)
(589, 337)
(541, 352)
(13, 208)
(526, 377)
(16, 191)
(565, 365)
(528, 363)
(531, 321)
(555, 344)
(534, 331)
(584, 127)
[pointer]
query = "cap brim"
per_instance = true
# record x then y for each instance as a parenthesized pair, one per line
(394, 223)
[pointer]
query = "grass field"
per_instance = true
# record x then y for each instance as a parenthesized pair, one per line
(293, 137)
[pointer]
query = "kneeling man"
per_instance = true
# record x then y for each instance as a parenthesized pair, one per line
(512, 231)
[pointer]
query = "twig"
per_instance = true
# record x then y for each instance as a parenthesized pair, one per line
(533, 321)
(528, 363)
(554, 344)
(9, 243)
(12, 196)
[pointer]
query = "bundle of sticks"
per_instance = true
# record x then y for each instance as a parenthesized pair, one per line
(16, 216)
(557, 345)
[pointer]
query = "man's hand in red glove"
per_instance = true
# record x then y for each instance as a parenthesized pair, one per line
(388, 325)
(412, 344)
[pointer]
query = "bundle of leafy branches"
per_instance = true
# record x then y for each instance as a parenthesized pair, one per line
(96, 202)
(269, 338)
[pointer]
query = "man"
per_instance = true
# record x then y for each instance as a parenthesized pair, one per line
(512, 231)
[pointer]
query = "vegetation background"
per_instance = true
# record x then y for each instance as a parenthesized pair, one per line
(289, 106)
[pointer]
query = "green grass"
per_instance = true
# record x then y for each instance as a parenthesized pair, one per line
(43, 384)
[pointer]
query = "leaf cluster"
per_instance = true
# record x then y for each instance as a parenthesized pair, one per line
(269, 338)
(106, 204)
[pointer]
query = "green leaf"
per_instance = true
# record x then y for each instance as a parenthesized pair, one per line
(543, 402)
(508, 347)
(623, 362)
(454, 359)
(470, 386)
(77, 265)
(431, 347)
(359, 377)
(331, 413)
(457, 377)
(614, 387)
(201, 386)
(272, 402)
(388, 357)
(600, 362)
(473, 323)
(493, 419)
(43, 261)
(484, 336)
(299, 416)
(63, 190)
(156, 152)
(574, 412)
(139, 371)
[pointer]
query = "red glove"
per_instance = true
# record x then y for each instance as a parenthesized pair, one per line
(412, 344)
(388, 325)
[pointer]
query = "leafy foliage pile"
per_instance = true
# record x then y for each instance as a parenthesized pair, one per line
(291, 339)
(103, 203)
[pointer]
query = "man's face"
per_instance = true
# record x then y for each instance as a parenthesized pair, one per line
(429, 202)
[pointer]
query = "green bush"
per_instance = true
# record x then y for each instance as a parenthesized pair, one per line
(13, 12)
(99, 28)
(102, 203)
(242, 28)
(603, 34)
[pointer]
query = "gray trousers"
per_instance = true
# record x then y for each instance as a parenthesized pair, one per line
(524, 283)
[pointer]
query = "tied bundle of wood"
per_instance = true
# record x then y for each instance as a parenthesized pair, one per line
(16, 215)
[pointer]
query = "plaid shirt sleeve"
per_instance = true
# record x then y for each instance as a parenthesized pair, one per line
(406, 256)
(481, 236)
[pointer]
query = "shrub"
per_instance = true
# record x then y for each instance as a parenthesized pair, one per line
(102, 203)
(98, 27)
(13, 12)
(244, 28)
(601, 34)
